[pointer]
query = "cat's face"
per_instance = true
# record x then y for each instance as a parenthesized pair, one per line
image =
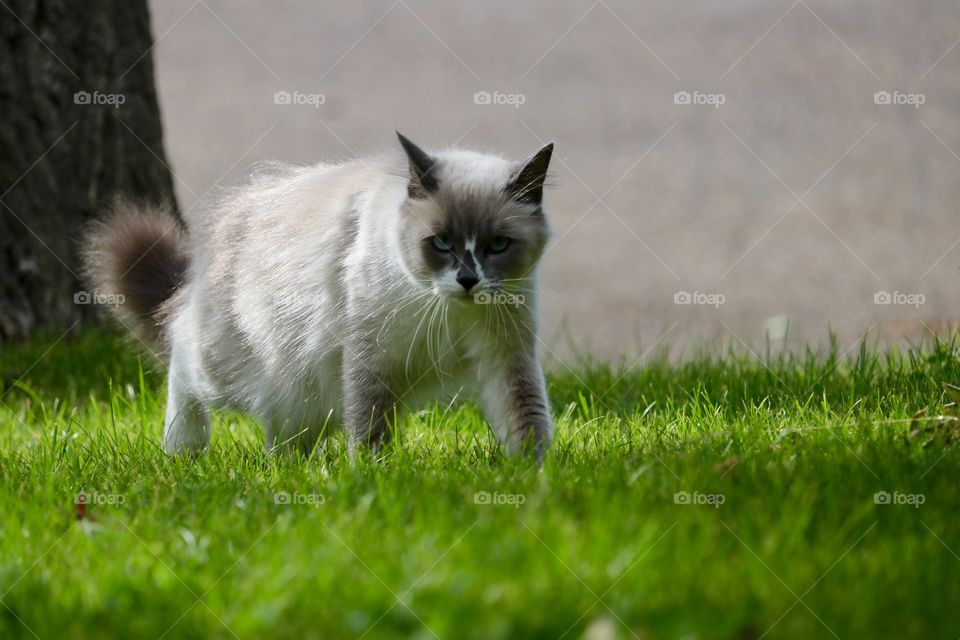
(473, 224)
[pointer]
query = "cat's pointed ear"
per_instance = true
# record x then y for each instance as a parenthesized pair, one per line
(422, 169)
(527, 185)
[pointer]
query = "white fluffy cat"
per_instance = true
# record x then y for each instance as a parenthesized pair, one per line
(330, 295)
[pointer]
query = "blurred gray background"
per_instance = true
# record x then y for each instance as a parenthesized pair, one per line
(797, 202)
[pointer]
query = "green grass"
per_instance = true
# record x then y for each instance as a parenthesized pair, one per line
(795, 447)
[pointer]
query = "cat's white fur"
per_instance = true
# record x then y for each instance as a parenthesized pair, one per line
(272, 299)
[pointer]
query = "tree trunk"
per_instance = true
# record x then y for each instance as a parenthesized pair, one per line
(79, 124)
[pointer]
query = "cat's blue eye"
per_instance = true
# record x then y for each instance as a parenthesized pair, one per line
(498, 244)
(442, 242)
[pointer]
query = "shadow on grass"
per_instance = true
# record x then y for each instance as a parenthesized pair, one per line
(79, 364)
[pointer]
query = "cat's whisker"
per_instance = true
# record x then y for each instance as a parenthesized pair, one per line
(513, 321)
(500, 315)
(441, 331)
(413, 341)
(403, 303)
(398, 306)
(434, 350)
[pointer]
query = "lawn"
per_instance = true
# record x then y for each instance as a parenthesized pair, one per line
(719, 496)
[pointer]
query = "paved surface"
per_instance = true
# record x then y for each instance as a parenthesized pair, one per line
(797, 199)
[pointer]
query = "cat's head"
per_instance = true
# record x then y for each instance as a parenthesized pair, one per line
(473, 223)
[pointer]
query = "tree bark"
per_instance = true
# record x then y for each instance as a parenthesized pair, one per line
(79, 125)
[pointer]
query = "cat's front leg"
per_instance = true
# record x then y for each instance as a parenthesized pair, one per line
(515, 401)
(367, 403)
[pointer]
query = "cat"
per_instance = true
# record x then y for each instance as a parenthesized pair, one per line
(337, 295)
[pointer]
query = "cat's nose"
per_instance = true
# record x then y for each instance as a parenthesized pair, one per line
(467, 280)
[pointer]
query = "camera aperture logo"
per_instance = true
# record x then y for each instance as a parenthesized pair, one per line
(700, 499)
(310, 499)
(897, 298)
(698, 98)
(498, 499)
(96, 297)
(515, 100)
(499, 297)
(296, 98)
(699, 298)
(899, 98)
(97, 98)
(899, 499)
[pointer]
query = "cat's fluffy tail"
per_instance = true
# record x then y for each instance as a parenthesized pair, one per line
(137, 257)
